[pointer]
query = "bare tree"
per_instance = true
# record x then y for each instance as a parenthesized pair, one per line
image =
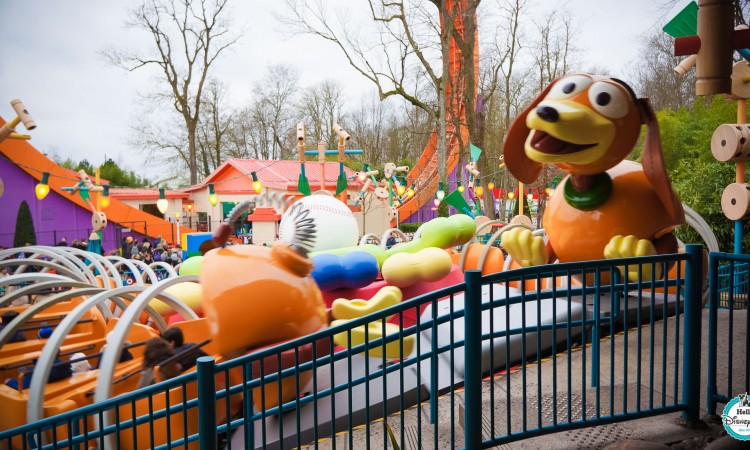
(555, 50)
(213, 127)
(322, 107)
(654, 77)
(500, 91)
(240, 135)
(274, 111)
(404, 59)
(368, 125)
(188, 37)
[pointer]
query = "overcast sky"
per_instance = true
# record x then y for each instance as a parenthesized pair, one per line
(84, 108)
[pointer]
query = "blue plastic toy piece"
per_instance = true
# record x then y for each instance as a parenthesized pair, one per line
(353, 270)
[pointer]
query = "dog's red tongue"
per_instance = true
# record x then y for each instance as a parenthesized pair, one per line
(549, 144)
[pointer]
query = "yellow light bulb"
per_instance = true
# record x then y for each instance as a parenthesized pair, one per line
(257, 186)
(105, 202)
(213, 199)
(479, 191)
(490, 185)
(410, 193)
(511, 195)
(400, 190)
(461, 189)
(41, 191)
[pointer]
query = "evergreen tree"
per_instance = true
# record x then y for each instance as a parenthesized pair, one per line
(25, 233)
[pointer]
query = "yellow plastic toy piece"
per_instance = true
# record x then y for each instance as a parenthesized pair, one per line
(189, 293)
(375, 331)
(630, 246)
(345, 310)
(407, 269)
(524, 247)
(388, 296)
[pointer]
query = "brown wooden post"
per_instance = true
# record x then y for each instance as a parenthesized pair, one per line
(714, 64)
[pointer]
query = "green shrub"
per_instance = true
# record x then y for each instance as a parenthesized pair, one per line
(409, 227)
(25, 233)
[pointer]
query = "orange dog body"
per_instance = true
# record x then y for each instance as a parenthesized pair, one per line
(633, 208)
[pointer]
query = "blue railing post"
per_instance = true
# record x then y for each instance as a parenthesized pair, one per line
(206, 403)
(691, 352)
(595, 338)
(713, 306)
(472, 359)
(738, 236)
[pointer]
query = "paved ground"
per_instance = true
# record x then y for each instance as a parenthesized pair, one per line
(545, 399)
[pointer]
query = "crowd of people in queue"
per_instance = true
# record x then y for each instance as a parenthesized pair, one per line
(82, 244)
(149, 252)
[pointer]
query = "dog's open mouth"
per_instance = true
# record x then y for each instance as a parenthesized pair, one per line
(546, 143)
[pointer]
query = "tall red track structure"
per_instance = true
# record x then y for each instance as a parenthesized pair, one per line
(424, 174)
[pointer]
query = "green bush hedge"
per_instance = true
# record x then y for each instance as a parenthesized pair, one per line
(409, 227)
(25, 233)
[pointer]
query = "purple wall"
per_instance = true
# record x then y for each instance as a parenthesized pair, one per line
(426, 212)
(54, 217)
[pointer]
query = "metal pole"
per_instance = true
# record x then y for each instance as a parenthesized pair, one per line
(739, 176)
(206, 404)
(738, 236)
(713, 306)
(691, 369)
(472, 359)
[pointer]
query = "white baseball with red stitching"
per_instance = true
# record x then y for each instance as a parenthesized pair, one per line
(335, 225)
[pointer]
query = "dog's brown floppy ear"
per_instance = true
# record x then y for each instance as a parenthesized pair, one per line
(653, 164)
(514, 154)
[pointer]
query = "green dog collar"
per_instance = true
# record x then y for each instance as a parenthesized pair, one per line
(594, 197)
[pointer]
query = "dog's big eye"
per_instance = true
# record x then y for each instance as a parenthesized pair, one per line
(568, 87)
(609, 100)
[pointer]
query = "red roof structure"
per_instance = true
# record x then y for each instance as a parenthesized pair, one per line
(264, 215)
(234, 175)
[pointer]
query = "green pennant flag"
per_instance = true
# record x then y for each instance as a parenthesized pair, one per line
(341, 183)
(685, 23)
(479, 207)
(303, 185)
(458, 202)
(475, 152)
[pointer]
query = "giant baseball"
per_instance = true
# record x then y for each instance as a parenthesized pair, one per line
(335, 225)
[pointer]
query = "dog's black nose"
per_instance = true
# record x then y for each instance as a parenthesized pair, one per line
(548, 113)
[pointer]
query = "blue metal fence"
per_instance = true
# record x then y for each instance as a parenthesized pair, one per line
(728, 281)
(733, 277)
(491, 326)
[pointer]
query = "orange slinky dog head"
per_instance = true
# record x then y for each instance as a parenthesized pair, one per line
(586, 124)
